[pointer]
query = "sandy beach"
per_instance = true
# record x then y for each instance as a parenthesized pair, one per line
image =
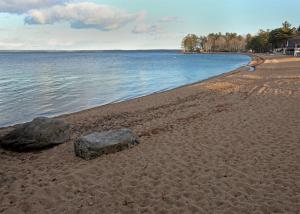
(230, 144)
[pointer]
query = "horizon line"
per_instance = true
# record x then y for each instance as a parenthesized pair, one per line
(87, 50)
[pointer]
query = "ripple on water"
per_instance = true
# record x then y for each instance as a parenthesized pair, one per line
(48, 84)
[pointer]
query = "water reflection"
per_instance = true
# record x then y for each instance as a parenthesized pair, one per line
(48, 84)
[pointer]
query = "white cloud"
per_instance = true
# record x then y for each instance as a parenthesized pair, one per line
(158, 28)
(10, 45)
(22, 6)
(145, 28)
(60, 43)
(171, 19)
(83, 15)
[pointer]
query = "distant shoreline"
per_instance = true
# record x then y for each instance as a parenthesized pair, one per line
(116, 50)
(83, 51)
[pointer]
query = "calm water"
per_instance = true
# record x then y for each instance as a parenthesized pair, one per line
(48, 84)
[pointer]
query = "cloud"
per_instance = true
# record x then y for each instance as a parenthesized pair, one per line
(83, 15)
(158, 28)
(171, 19)
(145, 28)
(10, 45)
(59, 43)
(22, 6)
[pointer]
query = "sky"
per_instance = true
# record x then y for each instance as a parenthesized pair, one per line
(132, 24)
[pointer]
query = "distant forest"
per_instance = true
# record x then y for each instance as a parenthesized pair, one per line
(263, 41)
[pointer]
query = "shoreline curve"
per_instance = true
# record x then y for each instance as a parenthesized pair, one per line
(254, 61)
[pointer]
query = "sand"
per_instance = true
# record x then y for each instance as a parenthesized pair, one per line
(230, 144)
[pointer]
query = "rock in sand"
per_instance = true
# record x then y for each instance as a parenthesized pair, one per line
(41, 133)
(94, 145)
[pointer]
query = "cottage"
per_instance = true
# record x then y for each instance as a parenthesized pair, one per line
(293, 46)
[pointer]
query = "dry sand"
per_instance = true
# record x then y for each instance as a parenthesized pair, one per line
(227, 145)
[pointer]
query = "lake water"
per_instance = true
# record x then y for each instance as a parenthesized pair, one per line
(51, 83)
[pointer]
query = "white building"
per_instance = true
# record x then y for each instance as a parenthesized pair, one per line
(293, 46)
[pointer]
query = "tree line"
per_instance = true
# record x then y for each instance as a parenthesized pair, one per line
(263, 41)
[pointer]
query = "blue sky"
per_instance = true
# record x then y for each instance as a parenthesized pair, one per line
(132, 24)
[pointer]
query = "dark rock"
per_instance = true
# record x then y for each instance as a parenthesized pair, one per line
(41, 133)
(93, 145)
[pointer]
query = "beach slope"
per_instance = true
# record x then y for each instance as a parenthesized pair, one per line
(230, 144)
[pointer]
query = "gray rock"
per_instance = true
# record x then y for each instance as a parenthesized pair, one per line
(93, 145)
(41, 133)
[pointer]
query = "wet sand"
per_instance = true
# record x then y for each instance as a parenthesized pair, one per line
(230, 144)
